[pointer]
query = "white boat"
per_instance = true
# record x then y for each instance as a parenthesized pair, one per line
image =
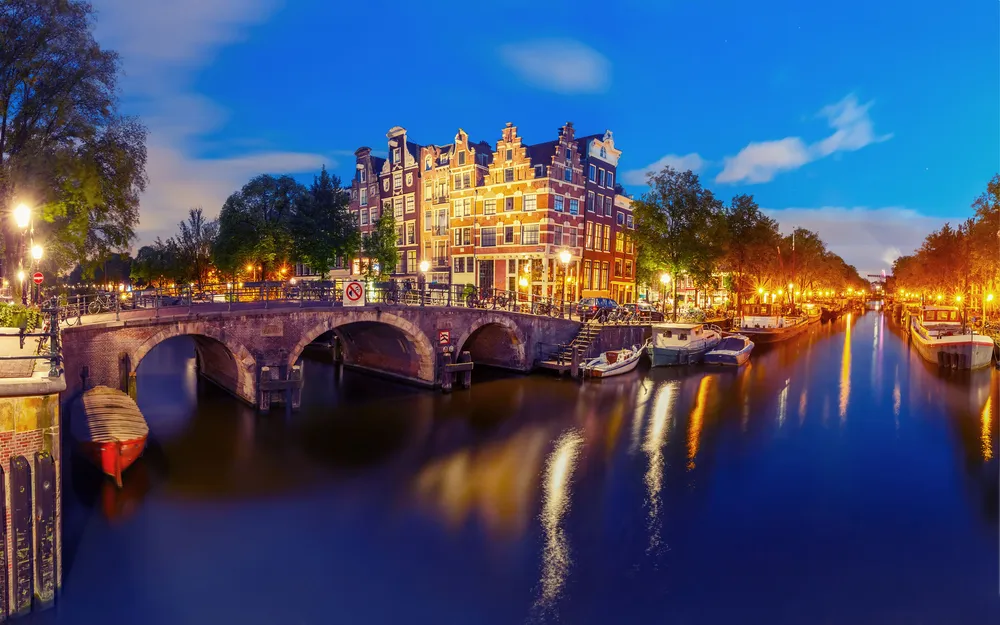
(732, 350)
(764, 323)
(682, 343)
(612, 363)
(940, 337)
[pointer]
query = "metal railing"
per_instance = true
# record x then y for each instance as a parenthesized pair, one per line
(48, 347)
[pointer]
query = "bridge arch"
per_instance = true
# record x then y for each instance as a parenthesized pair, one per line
(223, 360)
(377, 340)
(496, 340)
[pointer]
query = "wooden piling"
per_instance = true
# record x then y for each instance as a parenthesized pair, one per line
(577, 356)
(446, 375)
(465, 379)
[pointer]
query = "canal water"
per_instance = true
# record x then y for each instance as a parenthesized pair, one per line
(838, 479)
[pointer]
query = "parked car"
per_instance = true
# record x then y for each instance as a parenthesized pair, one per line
(646, 312)
(595, 308)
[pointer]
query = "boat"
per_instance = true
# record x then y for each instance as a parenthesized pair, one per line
(732, 350)
(764, 323)
(681, 343)
(941, 337)
(109, 429)
(812, 312)
(612, 363)
(830, 312)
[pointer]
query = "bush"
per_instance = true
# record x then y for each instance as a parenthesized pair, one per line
(18, 316)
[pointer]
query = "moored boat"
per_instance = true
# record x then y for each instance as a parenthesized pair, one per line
(681, 343)
(612, 363)
(811, 312)
(763, 323)
(110, 430)
(941, 337)
(732, 350)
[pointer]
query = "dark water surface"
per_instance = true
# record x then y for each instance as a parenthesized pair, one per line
(837, 479)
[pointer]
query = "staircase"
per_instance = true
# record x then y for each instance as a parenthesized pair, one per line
(587, 334)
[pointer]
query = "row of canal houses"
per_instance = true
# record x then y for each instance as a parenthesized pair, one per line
(492, 215)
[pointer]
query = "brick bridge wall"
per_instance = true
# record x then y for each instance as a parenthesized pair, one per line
(233, 345)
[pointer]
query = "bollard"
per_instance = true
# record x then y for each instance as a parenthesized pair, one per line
(466, 376)
(577, 356)
(446, 376)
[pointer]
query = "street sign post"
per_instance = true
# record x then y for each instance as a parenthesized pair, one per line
(354, 293)
(38, 278)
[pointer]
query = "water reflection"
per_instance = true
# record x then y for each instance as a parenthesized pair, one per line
(697, 416)
(987, 424)
(556, 503)
(656, 439)
(845, 370)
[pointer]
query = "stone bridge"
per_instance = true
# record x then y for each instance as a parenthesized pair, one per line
(236, 348)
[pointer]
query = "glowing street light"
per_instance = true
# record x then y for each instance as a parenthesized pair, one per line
(523, 282)
(958, 298)
(424, 266)
(989, 297)
(760, 290)
(664, 278)
(36, 252)
(20, 275)
(939, 297)
(22, 216)
(564, 258)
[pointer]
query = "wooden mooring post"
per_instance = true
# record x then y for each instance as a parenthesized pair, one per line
(577, 357)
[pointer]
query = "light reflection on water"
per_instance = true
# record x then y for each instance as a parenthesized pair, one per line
(845, 370)
(656, 439)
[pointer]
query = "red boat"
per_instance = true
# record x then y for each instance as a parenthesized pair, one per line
(110, 430)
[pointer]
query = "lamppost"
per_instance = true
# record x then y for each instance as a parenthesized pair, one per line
(22, 218)
(424, 266)
(791, 293)
(564, 258)
(664, 281)
(36, 255)
(760, 293)
(250, 270)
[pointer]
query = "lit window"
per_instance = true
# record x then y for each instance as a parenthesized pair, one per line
(529, 202)
(529, 235)
(574, 207)
(593, 173)
(490, 207)
(559, 203)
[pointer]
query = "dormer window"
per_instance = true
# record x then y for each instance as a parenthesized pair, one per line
(461, 158)
(395, 155)
(427, 164)
(510, 155)
(361, 174)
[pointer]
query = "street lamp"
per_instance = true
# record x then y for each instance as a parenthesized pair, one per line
(22, 216)
(564, 258)
(664, 281)
(424, 266)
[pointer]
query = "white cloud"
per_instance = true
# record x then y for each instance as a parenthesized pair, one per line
(560, 65)
(162, 46)
(868, 238)
(692, 161)
(760, 162)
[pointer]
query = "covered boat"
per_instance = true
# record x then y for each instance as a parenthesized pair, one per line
(941, 337)
(764, 323)
(613, 363)
(812, 313)
(110, 430)
(732, 350)
(681, 343)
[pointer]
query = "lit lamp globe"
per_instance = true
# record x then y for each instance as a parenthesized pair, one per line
(760, 290)
(36, 252)
(424, 266)
(565, 257)
(523, 282)
(665, 278)
(22, 215)
(20, 276)
(989, 297)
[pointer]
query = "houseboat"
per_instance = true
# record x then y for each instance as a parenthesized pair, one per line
(941, 337)
(764, 323)
(733, 350)
(681, 343)
(812, 312)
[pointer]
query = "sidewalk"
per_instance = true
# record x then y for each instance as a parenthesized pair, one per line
(10, 345)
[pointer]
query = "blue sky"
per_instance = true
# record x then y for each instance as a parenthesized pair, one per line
(871, 122)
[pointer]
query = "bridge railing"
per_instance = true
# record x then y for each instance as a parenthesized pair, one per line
(311, 293)
(45, 344)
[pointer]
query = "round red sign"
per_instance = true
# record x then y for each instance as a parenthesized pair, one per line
(38, 277)
(354, 291)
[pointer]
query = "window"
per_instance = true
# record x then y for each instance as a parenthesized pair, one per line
(466, 180)
(569, 236)
(629, 245)
(354, 194)
(607, 238)
(397, 181)
(605, 270)
(411, 235)
(442, 189)
(559, 203)
(410, 204)
(512, 266)
(528, 203)
(508, 174)
(357, 217)
(619, 242)
(411, 261)
(597, 274)
(399, 234)
(364, 197)
(461, 158)
(574, 207)
(510, 155)
(590, 200)
(628, 219)
(362, 175)
(458, 181)
(600, 177)
(508, 235)
(620, 218)
(428, 217)
(386, 206)
(427, 164)
(374, 213)
(628, 269)
(364, 217)
(442, 221)
(529, 235)
(508, 203)
(557, 236)
(568, 174)
(428, 191)
(467, 237)
(539, 171)
(593, 173)
(611, 180)
(489, 207)
(395, 155)
(607, 206)
(460, 264)
(488, 237)
(458, 236)
(618, 267)
(598, 231)
(586, 274)
(589, 242)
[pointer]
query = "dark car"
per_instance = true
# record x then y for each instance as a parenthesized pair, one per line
(646, 311)
(595, 308)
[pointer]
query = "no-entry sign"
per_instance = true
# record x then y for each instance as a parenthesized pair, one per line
(354, 293)
(38, 277)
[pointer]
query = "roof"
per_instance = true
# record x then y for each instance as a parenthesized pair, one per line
(377, 163)
(582, 142)
(542, 153)
(676, 326)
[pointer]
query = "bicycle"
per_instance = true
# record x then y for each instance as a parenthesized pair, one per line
(100, 303)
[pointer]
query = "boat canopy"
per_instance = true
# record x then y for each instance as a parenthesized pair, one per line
(940, 314)
(759, 310)
(731, 344)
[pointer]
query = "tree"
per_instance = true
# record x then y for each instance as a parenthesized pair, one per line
(194, 243)
(157, 263)
(752, 241)
(254, 224)
(322, 227)
(380, 247)
(64, 150)
(678, 221)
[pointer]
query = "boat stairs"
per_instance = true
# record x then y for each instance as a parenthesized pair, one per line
(569, 357)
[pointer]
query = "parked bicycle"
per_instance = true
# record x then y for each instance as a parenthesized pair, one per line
(101, 303)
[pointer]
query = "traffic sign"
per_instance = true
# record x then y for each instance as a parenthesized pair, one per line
(444, 337)
(38, 277)
(354, 293)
